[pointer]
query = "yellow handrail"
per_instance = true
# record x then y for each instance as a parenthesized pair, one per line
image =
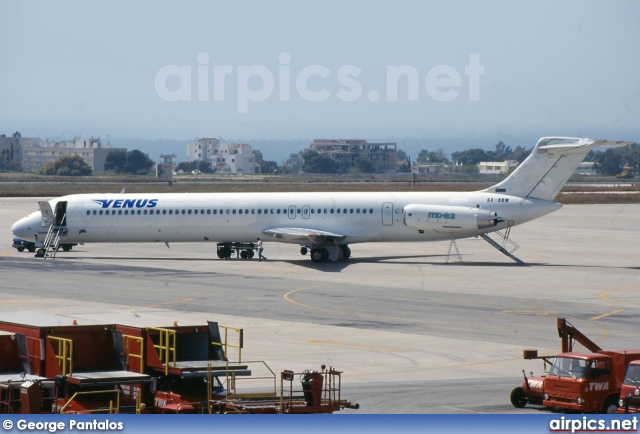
(127, 340)
(166, 346)
(64, 355)
(95, 392)
(225, 341)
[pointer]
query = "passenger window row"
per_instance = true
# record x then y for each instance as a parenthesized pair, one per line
(229, 211)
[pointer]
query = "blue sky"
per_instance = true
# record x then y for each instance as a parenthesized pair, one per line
(92, 68)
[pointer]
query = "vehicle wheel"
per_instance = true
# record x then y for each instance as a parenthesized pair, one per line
(31, 249)
(303, 251)
(518, 398)
(220, 254)
(243, 254)
(20, 249)
(40, 253)
(66, 248)
(611, 405)
(249, 254)
(346, 252)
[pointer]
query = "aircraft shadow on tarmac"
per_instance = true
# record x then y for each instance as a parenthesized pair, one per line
(335, 267)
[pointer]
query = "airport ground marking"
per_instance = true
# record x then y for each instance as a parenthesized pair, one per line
(286, 297)
(530, 312)
(605, 331)
(606, 296)
(171, 302)
(604, 315)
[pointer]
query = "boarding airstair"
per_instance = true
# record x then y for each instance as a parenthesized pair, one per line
(57, 226)
(51, 243)
(506, 242)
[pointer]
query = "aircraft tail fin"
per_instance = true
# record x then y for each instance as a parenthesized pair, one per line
(550, 165)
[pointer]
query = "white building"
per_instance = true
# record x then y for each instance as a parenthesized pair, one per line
(40, 152)
(232, 158)
(496, 167)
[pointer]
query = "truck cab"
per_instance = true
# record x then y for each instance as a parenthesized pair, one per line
(630, 390)
(587, 382)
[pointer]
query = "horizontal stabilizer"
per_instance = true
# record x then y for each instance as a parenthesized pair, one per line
(302, 234)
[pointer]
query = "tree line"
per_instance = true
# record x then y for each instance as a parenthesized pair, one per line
(608, 162)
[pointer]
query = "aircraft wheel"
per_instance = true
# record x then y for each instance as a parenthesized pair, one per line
(346, 252)
(66, 248)
(318, 255)
(303, 251)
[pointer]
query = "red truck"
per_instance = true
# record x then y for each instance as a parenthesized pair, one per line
(586, 382)
(630, 390)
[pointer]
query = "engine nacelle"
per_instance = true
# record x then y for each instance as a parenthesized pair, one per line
(448, 218)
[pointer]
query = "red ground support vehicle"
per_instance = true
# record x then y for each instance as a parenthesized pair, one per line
(587, 382)
(630, 390)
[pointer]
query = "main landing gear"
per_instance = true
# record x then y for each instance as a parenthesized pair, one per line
(328, 253)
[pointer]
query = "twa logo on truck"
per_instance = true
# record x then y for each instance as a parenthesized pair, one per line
(599, 386)
(535, 384)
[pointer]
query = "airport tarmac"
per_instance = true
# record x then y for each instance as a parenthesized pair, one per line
(411, 333)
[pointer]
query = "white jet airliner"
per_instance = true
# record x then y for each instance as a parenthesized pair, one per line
(324, 223)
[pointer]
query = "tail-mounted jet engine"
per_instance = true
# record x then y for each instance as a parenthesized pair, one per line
(449, 218)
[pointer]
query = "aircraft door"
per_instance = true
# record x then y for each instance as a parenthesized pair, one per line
(47, 213)
(306, 212)
(292, 211)
(61, 213)
(387, 213)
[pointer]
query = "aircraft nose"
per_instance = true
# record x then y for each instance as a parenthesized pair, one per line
(24, 228)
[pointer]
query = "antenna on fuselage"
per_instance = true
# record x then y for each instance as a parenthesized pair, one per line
(123, 189)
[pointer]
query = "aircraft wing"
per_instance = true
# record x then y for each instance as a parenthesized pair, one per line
(302, 234)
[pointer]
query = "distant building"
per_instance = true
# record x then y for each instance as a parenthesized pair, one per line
(345, 152)
(36, 153)
(232, 158)
(164, 169)
(424, 169)
(496, 167)
(15, 144)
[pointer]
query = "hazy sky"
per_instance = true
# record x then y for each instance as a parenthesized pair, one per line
(331, 69)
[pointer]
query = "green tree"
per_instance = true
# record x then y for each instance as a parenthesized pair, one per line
(137, 163)
(8, 162)
(116, 161)
(608, 162)
(404, 161)
(259, 158)
(362, 165)
(294, 163)
(470, 156)
(520, 154)
(432, 157)
(269, 166)
(68, 165)
(191, 166)
(317, 163)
